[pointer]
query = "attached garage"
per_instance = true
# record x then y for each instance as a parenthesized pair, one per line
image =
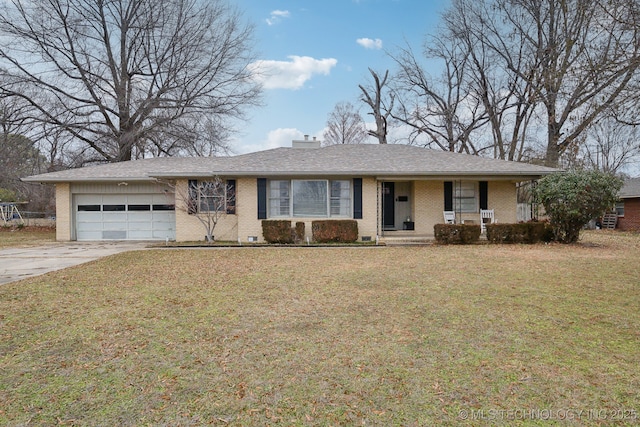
(144, 212)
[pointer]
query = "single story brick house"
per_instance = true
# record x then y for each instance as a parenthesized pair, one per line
(388, 189)
(629, 206)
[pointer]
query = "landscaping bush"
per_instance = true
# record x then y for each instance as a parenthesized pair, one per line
(335, 231)
(299, 232)
(527, 232)
(572, 199)
(456, 233)
(277, 231)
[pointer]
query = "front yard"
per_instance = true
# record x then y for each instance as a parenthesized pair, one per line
(26, 236)
(481, 334)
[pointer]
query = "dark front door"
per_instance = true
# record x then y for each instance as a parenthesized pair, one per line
(388, 206)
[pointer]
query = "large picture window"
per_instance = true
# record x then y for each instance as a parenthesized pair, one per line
(317, 198)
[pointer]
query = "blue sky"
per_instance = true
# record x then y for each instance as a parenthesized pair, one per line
(317, 53)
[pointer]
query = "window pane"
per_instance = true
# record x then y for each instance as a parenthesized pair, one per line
(310, 198)
(88, 208)
(279, 198)
(465, 197)
(341, 198)
(164, 207)
(139, 207)
(211, 196)
(113, 208)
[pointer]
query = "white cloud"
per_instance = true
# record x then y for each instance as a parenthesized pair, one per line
(280, 137)
(290, 74)
(370, 43)
(276, 16)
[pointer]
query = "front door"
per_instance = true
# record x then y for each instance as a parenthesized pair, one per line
(388, 206)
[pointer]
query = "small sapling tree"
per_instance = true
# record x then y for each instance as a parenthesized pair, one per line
(572, 199)
(209, 201)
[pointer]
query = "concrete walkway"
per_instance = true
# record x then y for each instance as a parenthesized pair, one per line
(22, 263)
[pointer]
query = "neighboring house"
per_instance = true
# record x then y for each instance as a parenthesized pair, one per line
(629, 206)
(388, 189)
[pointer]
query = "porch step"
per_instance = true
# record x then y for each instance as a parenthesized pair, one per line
(406, 241)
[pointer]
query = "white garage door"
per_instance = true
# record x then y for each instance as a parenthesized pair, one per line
(124, 217)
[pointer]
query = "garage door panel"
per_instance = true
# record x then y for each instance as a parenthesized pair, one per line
(123, 217)
(114, 235)
(90, 234)
(138, 216)
(142, 235)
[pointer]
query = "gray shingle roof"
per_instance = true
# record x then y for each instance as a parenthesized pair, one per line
(630, 189)
(390, 160)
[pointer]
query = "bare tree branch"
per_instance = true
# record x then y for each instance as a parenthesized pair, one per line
(374, 98)
(126, 72)
(344, 126)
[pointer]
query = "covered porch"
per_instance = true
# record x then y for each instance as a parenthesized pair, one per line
(409, 209)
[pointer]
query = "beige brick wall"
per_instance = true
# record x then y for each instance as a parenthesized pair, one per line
(63, 212)
(368, 225)
(503, 200)
(428, 205)
(189, 228)
(247, 209)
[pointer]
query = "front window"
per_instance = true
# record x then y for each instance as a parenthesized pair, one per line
(465, 197)
(341, 198)
(620, 208)
(309, 198)
(279, 198)
(317, 198)
(210, 196)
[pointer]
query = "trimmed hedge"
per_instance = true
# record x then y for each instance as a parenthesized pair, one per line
(456, 233)
(524, 232)
(277, 231)
(299, 232)
(335, 231)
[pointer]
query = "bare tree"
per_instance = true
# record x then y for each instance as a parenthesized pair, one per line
(509, 101)
(578, 57)
(445, 110)
(380, 110)
(121, 75)
(20, 155)
(344, 126)
(610, 146)
(209, 201)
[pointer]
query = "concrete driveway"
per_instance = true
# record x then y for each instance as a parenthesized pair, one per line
(22, 263)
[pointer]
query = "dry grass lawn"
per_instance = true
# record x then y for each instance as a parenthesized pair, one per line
(27, 236)
(412, 336)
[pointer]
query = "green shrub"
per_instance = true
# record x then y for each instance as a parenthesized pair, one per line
(527, 232)
(572, 199)
(277, 231)
(457, 233)
(335, 230)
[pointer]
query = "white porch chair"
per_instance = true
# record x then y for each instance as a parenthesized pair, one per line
(449, 217)
(486, 217)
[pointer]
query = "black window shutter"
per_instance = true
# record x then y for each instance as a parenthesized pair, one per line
(357, 198)
(262, 198)
(192, 203)
(448, 195)
(231, 196)
(484, 195)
